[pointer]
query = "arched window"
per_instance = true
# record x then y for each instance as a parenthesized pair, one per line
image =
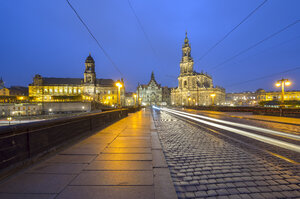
(185, 84)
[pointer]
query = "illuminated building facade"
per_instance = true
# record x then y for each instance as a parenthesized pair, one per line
(48, 89)
(153, 93)
(194, 89)
(263, 95)
(241, 99)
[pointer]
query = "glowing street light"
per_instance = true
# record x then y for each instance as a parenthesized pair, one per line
(134, 96)
(119, 85)
(213, 98)
(282, 83)
(9, 119)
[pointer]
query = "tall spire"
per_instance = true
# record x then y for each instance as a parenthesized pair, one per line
(186, 41)
(152, 75)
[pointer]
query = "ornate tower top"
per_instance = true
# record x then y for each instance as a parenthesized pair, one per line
(89, 73)
(152, 76)
(186, 41)
(186, 64)
(89, 59)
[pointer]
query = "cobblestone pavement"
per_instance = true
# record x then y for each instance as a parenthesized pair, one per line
(203, 165)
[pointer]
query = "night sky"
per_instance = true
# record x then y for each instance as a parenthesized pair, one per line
(45, 37)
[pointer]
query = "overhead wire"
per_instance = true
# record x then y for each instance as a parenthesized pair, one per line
(92, 35)
(225, 36)
(266, 76)
(256, 44)
(143, 29)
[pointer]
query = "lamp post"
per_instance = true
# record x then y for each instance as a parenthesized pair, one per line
(9, 119)
(189, 99)
(134, 97)
(119, 85)
(282, 83)
(213, 98)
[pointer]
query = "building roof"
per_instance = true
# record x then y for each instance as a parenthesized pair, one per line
(61, 81)
(74, 81)
(105, 82)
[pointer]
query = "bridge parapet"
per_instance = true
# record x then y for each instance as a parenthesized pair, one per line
(24, 142)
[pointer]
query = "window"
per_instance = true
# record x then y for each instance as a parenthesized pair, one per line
(50, 90)
(108, 92)
(60, 90)
(79, 91)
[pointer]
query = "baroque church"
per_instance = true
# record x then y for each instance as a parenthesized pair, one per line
(194, 89)
(88, 88)
(153, 93)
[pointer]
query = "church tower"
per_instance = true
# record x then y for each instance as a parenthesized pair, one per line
(186, 63)
(89, 73)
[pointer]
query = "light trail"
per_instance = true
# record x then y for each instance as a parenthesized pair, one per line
(272, 141)
(286, 135)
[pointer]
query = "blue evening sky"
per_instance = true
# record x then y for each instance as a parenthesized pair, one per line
(45, 37)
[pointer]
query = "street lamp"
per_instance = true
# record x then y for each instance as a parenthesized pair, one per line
(9, 119)
(282, 83)
(189, 99)
(134, 96)
(213, 98)
(119, 85)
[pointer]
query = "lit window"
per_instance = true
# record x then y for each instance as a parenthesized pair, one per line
(79, 91)
(65, 90)
(46, 90)
(50, 90)
(75, 90)
(60, 90)
(70, 90)
(108, 92)
(55, 90)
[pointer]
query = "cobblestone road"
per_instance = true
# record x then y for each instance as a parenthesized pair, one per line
(204, 165)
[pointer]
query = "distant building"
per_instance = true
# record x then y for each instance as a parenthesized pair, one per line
(3, 90)
(263, 95)
(194, 89)
(260, 95)
(130, 99)
(89, 88)
(20, 109)
(241, 99)
(153, 93)
(18, 91)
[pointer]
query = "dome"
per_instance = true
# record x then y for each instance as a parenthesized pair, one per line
(89, 59)
(260, 90)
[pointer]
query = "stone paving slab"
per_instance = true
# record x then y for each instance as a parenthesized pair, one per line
(124, 157)
(114, 178)
(88, 150)
(131, 143)
(120, 165)
(131, 150)
(72, 158)
(36, 183)
(57, 168)
(107, 192)
(27, 196)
